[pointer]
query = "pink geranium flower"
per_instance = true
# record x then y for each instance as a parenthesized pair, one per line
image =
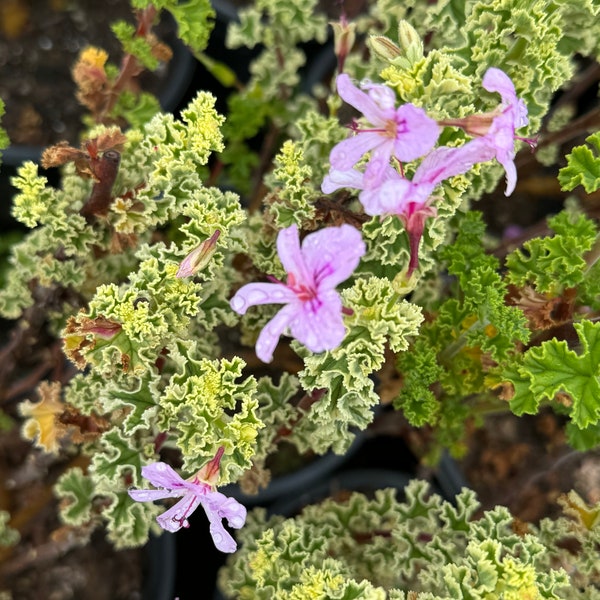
(393, 194)
(196, 491)
(513, 115)
(313, 308)
(405, 133)
(496, 129)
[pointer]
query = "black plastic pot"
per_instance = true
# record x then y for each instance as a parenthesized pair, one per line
(448, 481)
(304, 478)
(365, 481)
(159, 564)
(226, 11)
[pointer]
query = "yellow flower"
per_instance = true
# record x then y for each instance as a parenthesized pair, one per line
(93, 56)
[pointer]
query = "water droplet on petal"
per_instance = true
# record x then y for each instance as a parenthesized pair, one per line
(238, 304)
(236, 522)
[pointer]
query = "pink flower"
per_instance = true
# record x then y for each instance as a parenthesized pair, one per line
(194, 491)
(501, 135)
(405, 132)
(313, 308)
(392, 194)
(496, 129)
(396, 194)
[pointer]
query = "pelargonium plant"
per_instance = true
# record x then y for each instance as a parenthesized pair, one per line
(213, 299)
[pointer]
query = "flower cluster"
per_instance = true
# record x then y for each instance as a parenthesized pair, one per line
(193, 492)
(407, 133)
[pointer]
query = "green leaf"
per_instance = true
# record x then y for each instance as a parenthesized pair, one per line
(583, 439)
(194, 19)
(555, 262)
(583, 166)
(523, 401)
(129, 522)
(120, 457)
(76, 490)
(136, 109)
(419, 370)
(8, 535)
(135, 45)
(292, 200)
(207, 405)
(553, 368)
(136, 398)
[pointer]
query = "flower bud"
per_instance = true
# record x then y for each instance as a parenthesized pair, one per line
(384, 47)
(199, 257)
(344, 34)
(475, 125)
(410, 42)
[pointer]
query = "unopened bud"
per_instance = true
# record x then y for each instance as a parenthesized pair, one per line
(344, 34)
(403, 283)
(475, 125)
(410, 42)
(199, 257)
(384, 47)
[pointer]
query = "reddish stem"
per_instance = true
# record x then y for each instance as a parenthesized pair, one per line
(130, 66)
(105, 169)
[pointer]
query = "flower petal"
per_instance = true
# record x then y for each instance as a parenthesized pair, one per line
(511, 172)
(389, 198)
(177, 516)
(234, 512)
(365, 103)
(337, 179)
(217, 507)
(151, 495)
(161, 475)
(332, 254)
(320, 326)
(378, 168)
(291, 257)
(501, 141)
(221, 537)
(382, 95)
(253, 294)
(226, 508)
(416, 133)
(271, 332)
(445, 162)
(496, 80)
(348, 152)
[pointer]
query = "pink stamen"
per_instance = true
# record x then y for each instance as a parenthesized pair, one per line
(531, 142)
(355, 127)
(183, 521)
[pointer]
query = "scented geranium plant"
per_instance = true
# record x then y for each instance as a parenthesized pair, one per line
(203, 326)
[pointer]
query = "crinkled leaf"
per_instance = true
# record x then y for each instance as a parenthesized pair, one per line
(583, 166)
(128, 523)
(552, 368)
(555, 262)
(76, 490)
